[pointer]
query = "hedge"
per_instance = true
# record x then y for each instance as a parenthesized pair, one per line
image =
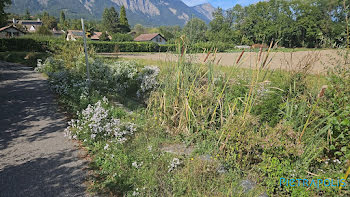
(14, 44)
(111, 47)
(43, 45)
(199, 47)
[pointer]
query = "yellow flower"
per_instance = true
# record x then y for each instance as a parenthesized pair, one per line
(192, 159)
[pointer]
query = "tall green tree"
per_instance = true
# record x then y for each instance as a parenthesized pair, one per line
(220, 29)
(294, 23)
(62, 17)
(104, 37)
(195, 30)
(27, 15)
(44, 30)
(3, 14)
(170, 32)
(49, 21)
(110, 20)
(123, 20)
(139, 29)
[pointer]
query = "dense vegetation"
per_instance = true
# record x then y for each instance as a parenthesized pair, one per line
(237, 125)
(294, 23)
(3, 15)
(241, 124)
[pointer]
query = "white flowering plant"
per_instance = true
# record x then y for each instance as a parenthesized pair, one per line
(124, 78)
(96, 123)
(148, 81)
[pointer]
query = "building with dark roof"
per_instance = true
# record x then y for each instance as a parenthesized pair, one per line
(29, 25)
(155, 37)
(10, 32)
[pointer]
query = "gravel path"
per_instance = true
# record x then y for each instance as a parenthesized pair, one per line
(35, 157)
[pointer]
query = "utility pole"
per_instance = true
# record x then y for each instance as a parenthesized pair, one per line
(86, 52)
(347, 24)
(191, 28)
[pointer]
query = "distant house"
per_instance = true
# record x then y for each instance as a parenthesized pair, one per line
(242, 47)
(10, 32)
(57, 33)
(156, 37)
(132, 33)
(76, 34)
(29, 25)
(96, 36)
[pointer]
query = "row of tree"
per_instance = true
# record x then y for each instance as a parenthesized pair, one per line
(294, 23)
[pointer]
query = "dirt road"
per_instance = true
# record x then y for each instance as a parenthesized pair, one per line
(35, 157)
(319, 60)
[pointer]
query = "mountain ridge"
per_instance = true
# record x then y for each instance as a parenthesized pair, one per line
(206, 9)
(145, 12)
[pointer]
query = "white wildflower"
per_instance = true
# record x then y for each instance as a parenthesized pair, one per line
(137, 165)
(135, 193)
(174, 164)
(149, 148)
(148, 80)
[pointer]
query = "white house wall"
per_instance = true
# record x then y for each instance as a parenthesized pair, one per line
(156, 40)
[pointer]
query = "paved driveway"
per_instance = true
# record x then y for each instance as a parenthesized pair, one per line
(35, 157)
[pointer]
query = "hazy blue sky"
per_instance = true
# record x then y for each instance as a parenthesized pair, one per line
(220, 3)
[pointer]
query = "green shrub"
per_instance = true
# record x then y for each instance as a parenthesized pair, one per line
(43, 30)
(14, 44)
(119, 37)
(167, 47)
(37, 43)
(111, 47)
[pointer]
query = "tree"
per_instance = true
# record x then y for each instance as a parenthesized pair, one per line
(110, 20)
(3, 14)
(119, 37)
(49, 21)
(170, 32)
(220, 30)
(62, 17)
(195, 30)
(139, 29)
(124, 24)
(235, 16)
(104, 37)
(43, 30)
(27, 15)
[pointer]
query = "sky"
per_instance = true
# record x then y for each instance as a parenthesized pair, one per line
(220, 3)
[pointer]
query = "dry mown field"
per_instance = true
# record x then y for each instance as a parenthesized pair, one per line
(319, 60)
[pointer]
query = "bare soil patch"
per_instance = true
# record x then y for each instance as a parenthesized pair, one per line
(318, 60)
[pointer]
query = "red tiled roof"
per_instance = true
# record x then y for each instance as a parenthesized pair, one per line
(146, 37)
(97, 35)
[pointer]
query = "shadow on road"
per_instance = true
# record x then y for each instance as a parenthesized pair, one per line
(35, 158)
(22, 102)
(43, 177)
